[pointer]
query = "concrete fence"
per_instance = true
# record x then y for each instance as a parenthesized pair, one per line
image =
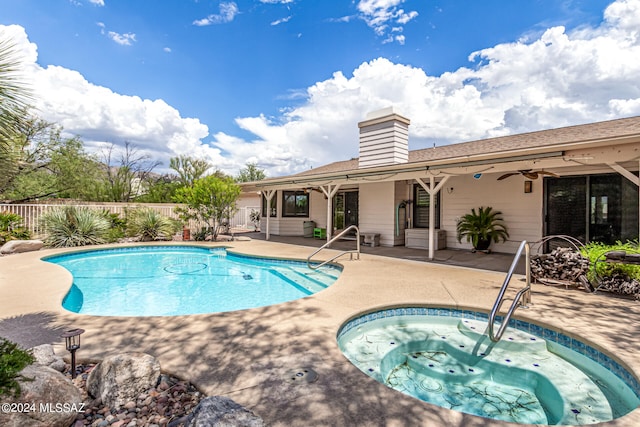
(32, 213)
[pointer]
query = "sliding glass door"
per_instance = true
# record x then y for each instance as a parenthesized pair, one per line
(602, 208)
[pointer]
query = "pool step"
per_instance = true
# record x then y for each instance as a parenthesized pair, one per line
(304, 282)
(513, 339)
(440, 364)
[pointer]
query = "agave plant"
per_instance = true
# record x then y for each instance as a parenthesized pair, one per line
(70, 226)
(482, 227)
(148, 224)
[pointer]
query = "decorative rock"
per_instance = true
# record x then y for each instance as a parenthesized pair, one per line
(19, 246)
(121, 378)
(45, 356)
(218, 411)
(48, 387)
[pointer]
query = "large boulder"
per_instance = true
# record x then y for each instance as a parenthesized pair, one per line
(220, 411)
(47, 399)
(45, 356)
(18, 246)
(123, 377)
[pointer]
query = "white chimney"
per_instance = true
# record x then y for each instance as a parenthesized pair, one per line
(384, 139)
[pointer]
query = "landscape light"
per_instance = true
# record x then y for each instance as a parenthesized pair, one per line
(72, 342)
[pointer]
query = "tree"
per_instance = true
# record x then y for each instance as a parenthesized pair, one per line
(189, 168)
(127, 172)
(250, 173)
(160, 189)
(43, 164)
(211, 200)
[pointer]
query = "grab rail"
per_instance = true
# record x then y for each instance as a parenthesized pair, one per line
(526, 291)
(357, 251)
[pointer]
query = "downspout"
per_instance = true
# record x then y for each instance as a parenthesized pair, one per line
(401, 205)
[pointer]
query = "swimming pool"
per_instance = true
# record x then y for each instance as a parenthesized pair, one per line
(533, 375)
(177, 280)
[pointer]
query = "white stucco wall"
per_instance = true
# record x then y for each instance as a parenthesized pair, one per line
(522, 212)
(377, 210)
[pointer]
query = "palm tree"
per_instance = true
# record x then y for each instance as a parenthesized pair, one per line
(14, 94)
(482, 227)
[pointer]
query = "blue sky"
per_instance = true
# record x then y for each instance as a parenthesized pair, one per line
(284, 82)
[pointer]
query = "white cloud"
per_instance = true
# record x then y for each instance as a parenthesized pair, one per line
(97, 2)
(122, 39)
(281, 21)
(125, 39)
(167, 49)
(559, 78)
(100, 116)
(228, 12)
(276, 1)
(380, 14)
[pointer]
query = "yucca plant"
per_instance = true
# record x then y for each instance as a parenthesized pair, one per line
(71, 226)
(482, 227)
(148, 224)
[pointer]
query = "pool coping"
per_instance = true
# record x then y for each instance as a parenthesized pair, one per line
(247, 355)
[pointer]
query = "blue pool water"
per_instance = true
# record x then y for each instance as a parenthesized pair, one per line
(176, 280)
(532, 376)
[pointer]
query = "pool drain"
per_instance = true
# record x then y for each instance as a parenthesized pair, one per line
(303, 375)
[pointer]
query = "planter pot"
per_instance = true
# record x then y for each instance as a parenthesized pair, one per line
(482, 245)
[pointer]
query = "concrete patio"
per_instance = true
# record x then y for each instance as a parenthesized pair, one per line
(250, 355)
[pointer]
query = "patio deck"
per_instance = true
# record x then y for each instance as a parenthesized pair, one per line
(249, 355)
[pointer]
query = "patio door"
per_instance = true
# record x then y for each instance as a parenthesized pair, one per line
(345, 211)
(602, 208)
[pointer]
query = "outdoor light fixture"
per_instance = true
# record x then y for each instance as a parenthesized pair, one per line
(72, 342)
(527, 186)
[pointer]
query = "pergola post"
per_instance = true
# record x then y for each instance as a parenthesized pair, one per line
(268, 194)
(432, 189)
(329, 192)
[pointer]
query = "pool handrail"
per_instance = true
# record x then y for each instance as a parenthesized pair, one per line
(356, 251)
(526, 292)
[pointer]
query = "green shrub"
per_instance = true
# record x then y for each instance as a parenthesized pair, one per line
(11, 227)
(594, 251)
(12, 360)
(71, 226)
(117, 226)
(148, 224)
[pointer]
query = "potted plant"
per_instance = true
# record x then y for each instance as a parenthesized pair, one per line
(254, 217)
(481, 228)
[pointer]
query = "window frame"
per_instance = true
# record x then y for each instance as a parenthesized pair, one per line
(417, 188)
(274, 206)
(298, 213)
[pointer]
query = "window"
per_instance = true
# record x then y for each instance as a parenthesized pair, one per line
(295, 203)
(272, 210)
(592, 208)
(421, 208)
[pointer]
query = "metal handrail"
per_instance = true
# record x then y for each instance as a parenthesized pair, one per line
(526, 292)
(357, 251)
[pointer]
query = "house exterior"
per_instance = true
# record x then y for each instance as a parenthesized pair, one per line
(580, 181)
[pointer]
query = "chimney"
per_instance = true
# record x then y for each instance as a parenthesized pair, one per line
(384, 139)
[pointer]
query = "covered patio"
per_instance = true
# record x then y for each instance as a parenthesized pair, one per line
(580, 180)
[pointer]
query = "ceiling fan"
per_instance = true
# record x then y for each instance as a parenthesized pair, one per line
(527, 173)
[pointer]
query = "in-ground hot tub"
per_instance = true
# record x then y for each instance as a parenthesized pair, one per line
(533, 375)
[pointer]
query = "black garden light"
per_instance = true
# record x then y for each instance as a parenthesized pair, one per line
(72, 342)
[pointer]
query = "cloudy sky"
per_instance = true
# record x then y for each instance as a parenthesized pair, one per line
(283, 83)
